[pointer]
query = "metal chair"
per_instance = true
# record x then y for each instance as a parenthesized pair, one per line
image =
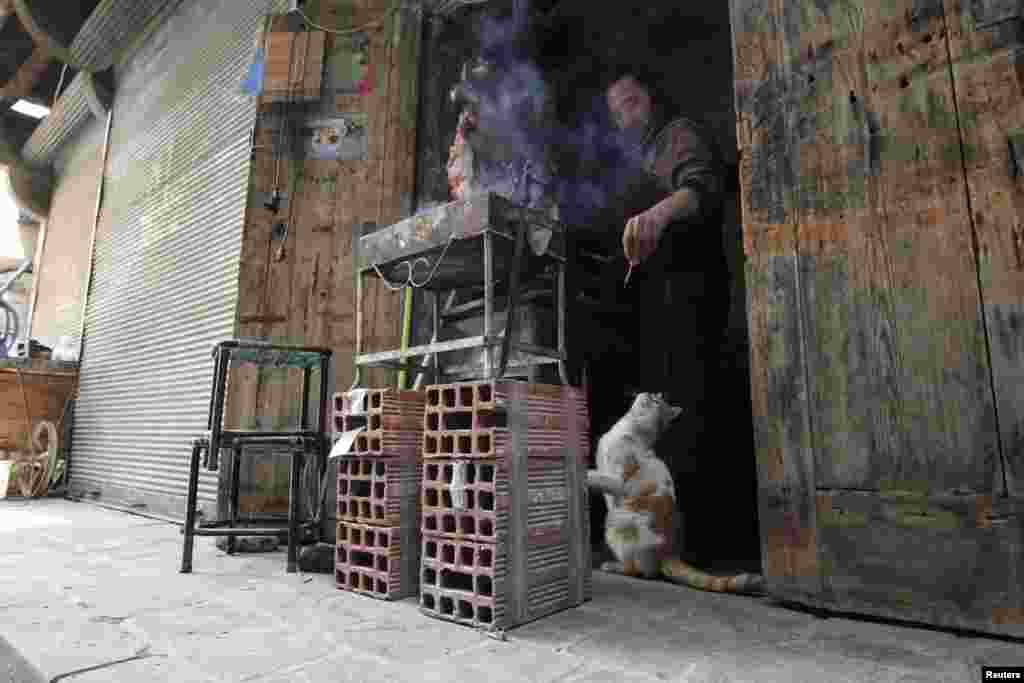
(300, 444)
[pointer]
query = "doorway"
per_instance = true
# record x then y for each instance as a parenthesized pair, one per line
(688, 49)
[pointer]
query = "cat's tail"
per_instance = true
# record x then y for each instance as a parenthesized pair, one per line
(677, 571)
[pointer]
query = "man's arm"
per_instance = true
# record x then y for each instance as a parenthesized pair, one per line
(683, 204)
(643, 231)
(686, 163)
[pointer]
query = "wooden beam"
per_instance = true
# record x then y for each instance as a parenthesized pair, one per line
(28, 75)
(43, 40)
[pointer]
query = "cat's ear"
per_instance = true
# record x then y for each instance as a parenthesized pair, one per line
(676, 412)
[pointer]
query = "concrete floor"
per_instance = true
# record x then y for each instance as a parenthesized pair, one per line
(82, 586)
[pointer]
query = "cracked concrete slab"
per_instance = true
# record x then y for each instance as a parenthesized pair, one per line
(14, 668)
(88, 586)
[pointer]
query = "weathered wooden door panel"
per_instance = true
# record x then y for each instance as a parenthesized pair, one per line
(986, 41)
(778, 370)
(297, 277)
(935, 559)
(895, 340)
(847, 114)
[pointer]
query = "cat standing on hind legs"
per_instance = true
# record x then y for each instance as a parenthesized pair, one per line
(641, 498)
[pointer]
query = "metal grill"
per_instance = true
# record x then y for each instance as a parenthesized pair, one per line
(165, 283)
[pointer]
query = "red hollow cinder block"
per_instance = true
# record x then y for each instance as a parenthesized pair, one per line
(381, 562)
(379, 491)
(480, 419)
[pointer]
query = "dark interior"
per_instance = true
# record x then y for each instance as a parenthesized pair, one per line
(688, 49)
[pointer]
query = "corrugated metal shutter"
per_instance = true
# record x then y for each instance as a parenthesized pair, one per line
(167, 255)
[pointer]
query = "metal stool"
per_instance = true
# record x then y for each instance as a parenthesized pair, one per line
(299, 443)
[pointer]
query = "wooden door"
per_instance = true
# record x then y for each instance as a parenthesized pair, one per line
(880, 459)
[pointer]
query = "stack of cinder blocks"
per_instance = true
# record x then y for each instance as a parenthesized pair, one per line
(506, 536)
(378, 493)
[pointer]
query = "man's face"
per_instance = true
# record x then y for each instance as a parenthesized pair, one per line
(630, 104)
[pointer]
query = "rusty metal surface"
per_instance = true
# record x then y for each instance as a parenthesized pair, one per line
(431, 230)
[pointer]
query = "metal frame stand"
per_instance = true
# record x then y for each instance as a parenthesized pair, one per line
(300, 443)
(488, 340)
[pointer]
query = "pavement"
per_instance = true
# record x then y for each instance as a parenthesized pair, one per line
(94, 591)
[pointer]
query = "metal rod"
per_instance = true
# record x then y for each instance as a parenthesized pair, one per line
(217, 415)
(260, 344)
(236, 466)
(357, 234)
(277, 438)
(539, 351)
(304, 408)
(513, 300)
(427, 349)
(471, 307)
(238, 532)
(293, 509)
(190, 509)
(322, 446)
(562, 312)
(406, 330)
(488, 297)
(18, 273)
(436, 358)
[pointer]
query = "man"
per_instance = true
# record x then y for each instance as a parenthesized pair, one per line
(679, 284)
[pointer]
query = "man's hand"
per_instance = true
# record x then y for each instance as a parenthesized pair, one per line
(641, 236)
(643, 231)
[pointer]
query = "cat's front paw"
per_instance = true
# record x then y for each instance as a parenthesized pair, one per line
(639, 488)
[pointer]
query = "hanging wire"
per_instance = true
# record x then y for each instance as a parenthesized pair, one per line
(395, 288)
(437, 264)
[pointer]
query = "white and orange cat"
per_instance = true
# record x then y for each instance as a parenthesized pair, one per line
(641, 500)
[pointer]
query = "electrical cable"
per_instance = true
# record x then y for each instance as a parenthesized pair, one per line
(437, 264)
(394, 288)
